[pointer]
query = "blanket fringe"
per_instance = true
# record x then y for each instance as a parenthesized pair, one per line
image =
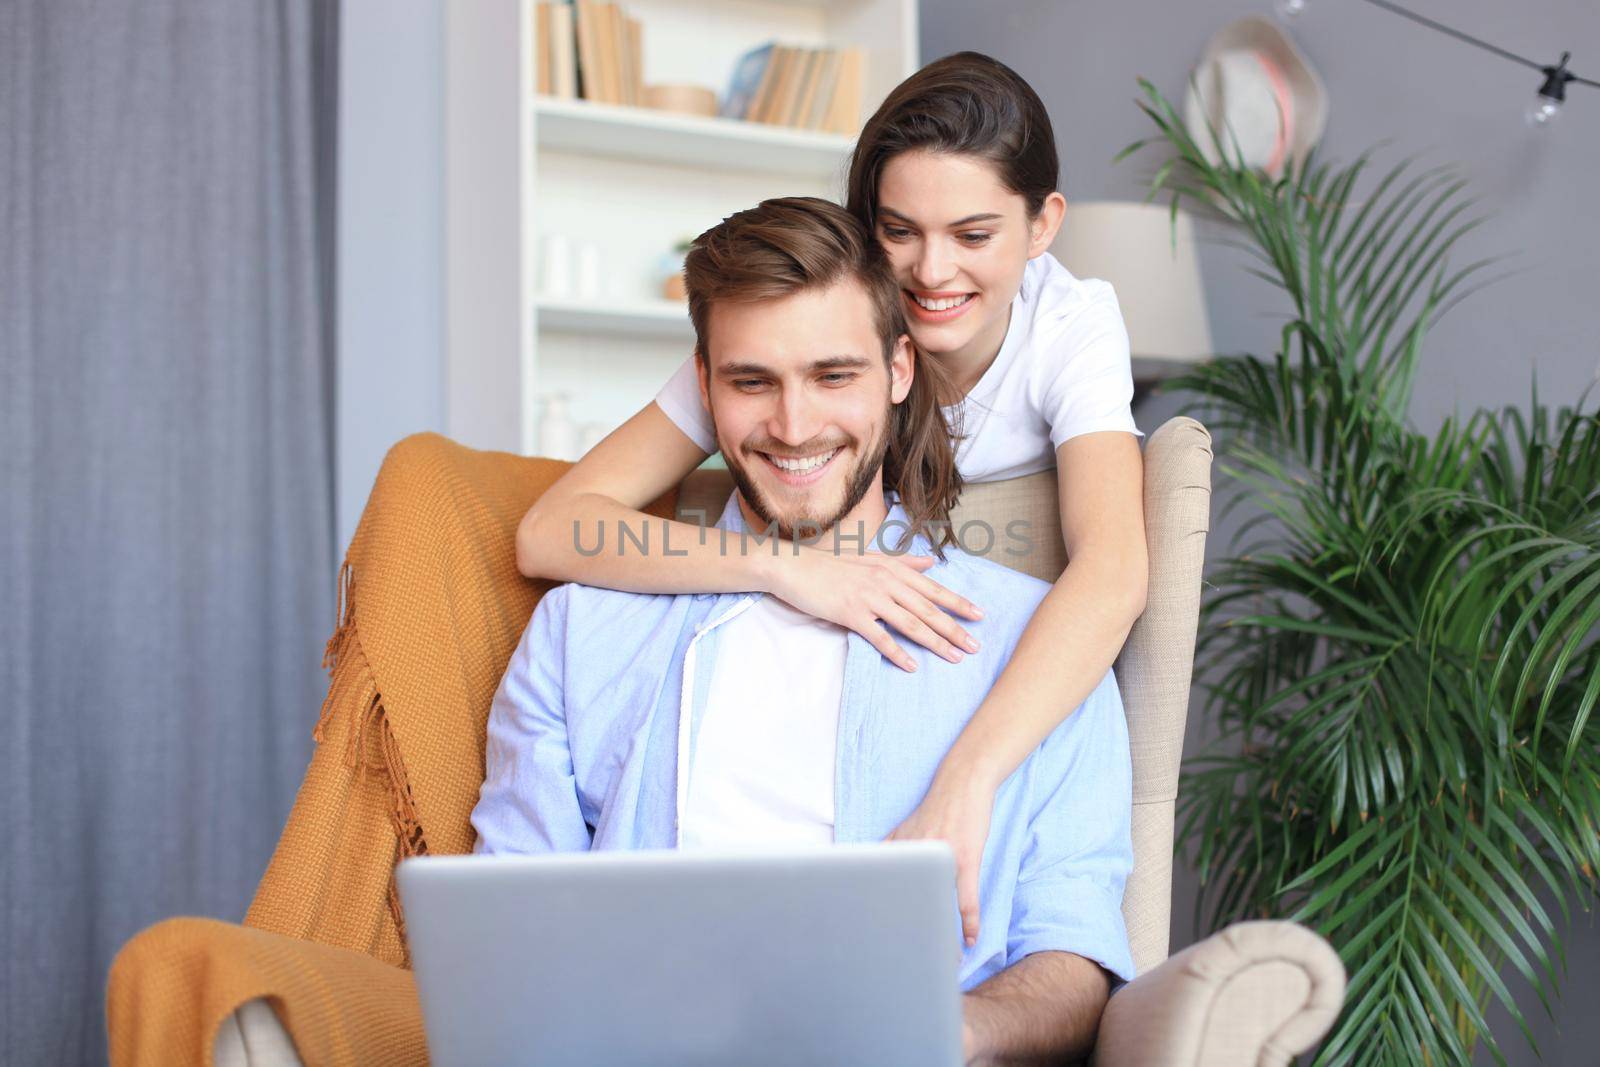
(335, 650)
(403, 815)
(355, 745)
(343, 616)
(408, 836)
(398, 914)
(403, 806)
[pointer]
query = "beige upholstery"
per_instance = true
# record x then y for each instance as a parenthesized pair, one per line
(253, 1037)
(1019, 522)
(1256, 993)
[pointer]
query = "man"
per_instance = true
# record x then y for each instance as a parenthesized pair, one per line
(646, 721)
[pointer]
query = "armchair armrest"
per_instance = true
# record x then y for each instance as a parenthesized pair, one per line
(253, 1037)
(185, 989)
(1256, 992)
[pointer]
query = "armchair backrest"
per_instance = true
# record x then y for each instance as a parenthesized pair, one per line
(1156, 662)
(432, 607)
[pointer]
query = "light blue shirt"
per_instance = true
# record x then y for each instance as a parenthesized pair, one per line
(592, 733)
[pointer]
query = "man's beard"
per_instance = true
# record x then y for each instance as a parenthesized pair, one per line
(856, 486)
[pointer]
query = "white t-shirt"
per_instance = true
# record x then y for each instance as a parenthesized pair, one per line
(1064, 369)
(763, 759)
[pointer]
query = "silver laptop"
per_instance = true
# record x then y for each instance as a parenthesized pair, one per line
(841, 955)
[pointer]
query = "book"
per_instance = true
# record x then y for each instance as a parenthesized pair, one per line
(590, 86)
(777, 102)
(844, 110)
(746, 79)
(543, 54)
(610, 56)
(563, 53)
(769, 81)
(623, 55)
(827, 81)
(635, 54)
(789, 89)
(795, 87)
(797, 80)
(806, 90)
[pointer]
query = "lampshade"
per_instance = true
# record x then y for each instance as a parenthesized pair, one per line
(1130, 245)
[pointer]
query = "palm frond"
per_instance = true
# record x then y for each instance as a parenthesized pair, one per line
(1403, 663)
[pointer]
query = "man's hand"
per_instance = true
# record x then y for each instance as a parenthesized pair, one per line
(956, 811)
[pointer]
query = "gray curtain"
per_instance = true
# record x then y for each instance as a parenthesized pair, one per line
(166, 555)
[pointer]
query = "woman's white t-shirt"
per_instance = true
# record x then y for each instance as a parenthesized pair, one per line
(1063, 370)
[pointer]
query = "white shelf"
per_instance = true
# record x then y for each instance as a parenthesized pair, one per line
(666, 320)
(687, 140)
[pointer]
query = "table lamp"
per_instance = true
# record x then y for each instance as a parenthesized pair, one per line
(1131, 245)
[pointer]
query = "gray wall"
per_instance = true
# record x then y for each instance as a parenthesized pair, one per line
(391, 239)
(1387, 79)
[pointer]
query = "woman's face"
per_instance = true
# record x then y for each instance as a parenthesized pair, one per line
(959, 241)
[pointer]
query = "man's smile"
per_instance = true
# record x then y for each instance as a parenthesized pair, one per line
(800, 470)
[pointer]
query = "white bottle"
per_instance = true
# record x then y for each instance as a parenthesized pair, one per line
(588, 271)
(558, 434)
(555, 274)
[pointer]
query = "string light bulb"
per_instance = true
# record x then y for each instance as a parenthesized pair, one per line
(1546, 106)
(1547, 103)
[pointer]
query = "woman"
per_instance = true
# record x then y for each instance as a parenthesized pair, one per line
(956, 176)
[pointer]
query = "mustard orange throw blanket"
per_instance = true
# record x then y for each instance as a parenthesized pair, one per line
(431, 608)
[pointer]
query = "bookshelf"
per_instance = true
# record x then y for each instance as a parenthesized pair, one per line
(662, 320)
(579, 126)
(526, 175)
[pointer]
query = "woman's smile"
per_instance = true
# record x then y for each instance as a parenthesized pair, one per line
(940, 307)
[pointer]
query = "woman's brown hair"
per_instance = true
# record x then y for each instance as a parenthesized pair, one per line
(967, 104)
(792, 244)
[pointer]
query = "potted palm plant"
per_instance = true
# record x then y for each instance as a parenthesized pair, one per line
(1402, 658)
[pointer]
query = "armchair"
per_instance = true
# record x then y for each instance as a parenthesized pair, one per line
(431, 608)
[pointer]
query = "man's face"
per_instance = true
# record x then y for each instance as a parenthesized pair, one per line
(801, 399)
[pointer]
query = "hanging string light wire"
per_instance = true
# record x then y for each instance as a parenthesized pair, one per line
(1552, 92)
